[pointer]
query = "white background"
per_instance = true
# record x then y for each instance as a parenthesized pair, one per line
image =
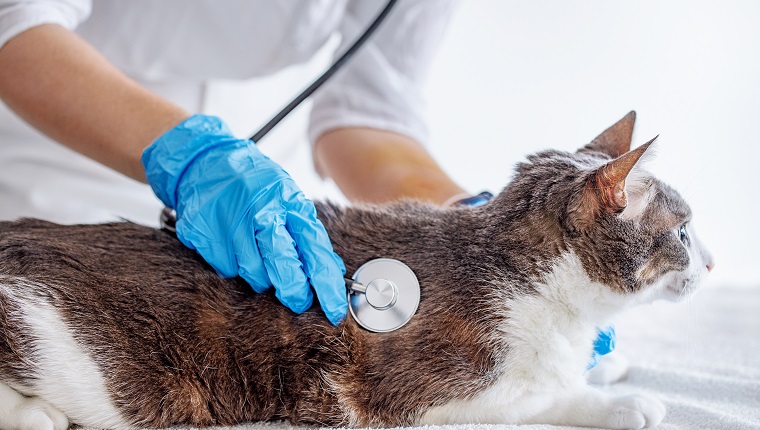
(513, 77)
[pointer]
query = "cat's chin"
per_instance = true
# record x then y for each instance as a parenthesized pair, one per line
(672, 290)
(676, 295)
(678, 291)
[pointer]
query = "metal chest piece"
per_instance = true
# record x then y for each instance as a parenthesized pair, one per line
(384, 295)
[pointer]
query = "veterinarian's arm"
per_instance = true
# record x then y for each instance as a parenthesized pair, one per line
(379, 166)
(237, 208)
(367, 123)
(63, 87)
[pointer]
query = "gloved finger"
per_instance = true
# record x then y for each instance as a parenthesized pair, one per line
(281, 259)
(250, 264)
(190, 231)
(321, 264)
(605, 340)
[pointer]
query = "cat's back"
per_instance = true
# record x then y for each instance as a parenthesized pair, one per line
(28, 245)
(111, 264)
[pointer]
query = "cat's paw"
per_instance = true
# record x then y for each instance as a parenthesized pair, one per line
(612, 368)
(636, 411)
(37, 414)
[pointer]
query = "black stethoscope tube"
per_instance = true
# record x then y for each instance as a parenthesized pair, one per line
(326, 75)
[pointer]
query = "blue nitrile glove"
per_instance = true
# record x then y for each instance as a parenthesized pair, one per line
(603, 345)
(244, 215)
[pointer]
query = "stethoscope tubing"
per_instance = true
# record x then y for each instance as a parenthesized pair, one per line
(337, 65)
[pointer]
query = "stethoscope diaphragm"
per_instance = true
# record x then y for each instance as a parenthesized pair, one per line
(383, 295)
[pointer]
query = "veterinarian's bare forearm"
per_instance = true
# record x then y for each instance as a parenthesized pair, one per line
(377, 166)
(59, 84)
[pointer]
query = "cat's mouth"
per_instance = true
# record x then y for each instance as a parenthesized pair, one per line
(681, 290)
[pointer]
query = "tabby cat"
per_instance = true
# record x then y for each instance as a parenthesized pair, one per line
(120, 326)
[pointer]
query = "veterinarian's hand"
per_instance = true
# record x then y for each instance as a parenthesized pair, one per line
(244, 214)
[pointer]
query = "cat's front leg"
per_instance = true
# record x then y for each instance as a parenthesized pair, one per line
(589, 407)
(612, 368)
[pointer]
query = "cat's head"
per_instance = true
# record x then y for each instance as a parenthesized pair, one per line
(630, 231)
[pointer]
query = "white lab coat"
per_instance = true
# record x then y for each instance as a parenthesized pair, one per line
(174, 47)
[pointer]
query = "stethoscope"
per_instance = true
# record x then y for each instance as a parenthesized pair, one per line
(384, 293)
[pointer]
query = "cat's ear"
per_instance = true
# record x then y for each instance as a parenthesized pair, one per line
(604, 190)
(616, 140)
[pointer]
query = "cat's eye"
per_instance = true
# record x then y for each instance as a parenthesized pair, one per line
(683, 235)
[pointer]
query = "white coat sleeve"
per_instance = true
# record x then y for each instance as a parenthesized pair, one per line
(19, 16)
(381, 86)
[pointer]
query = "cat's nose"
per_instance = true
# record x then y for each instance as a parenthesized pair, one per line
(709, 263)
(707, 258)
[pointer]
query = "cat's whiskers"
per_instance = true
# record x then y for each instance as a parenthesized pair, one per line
(691, 327)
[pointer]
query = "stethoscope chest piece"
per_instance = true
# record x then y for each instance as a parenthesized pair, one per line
(386, 297)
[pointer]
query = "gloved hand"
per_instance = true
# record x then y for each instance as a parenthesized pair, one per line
(603, 345)
(244, 215)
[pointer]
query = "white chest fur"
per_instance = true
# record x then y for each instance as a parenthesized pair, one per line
(548, 338)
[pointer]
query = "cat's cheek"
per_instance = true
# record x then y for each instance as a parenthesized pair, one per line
(678, 286)
(669, 287)
(686, 283)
